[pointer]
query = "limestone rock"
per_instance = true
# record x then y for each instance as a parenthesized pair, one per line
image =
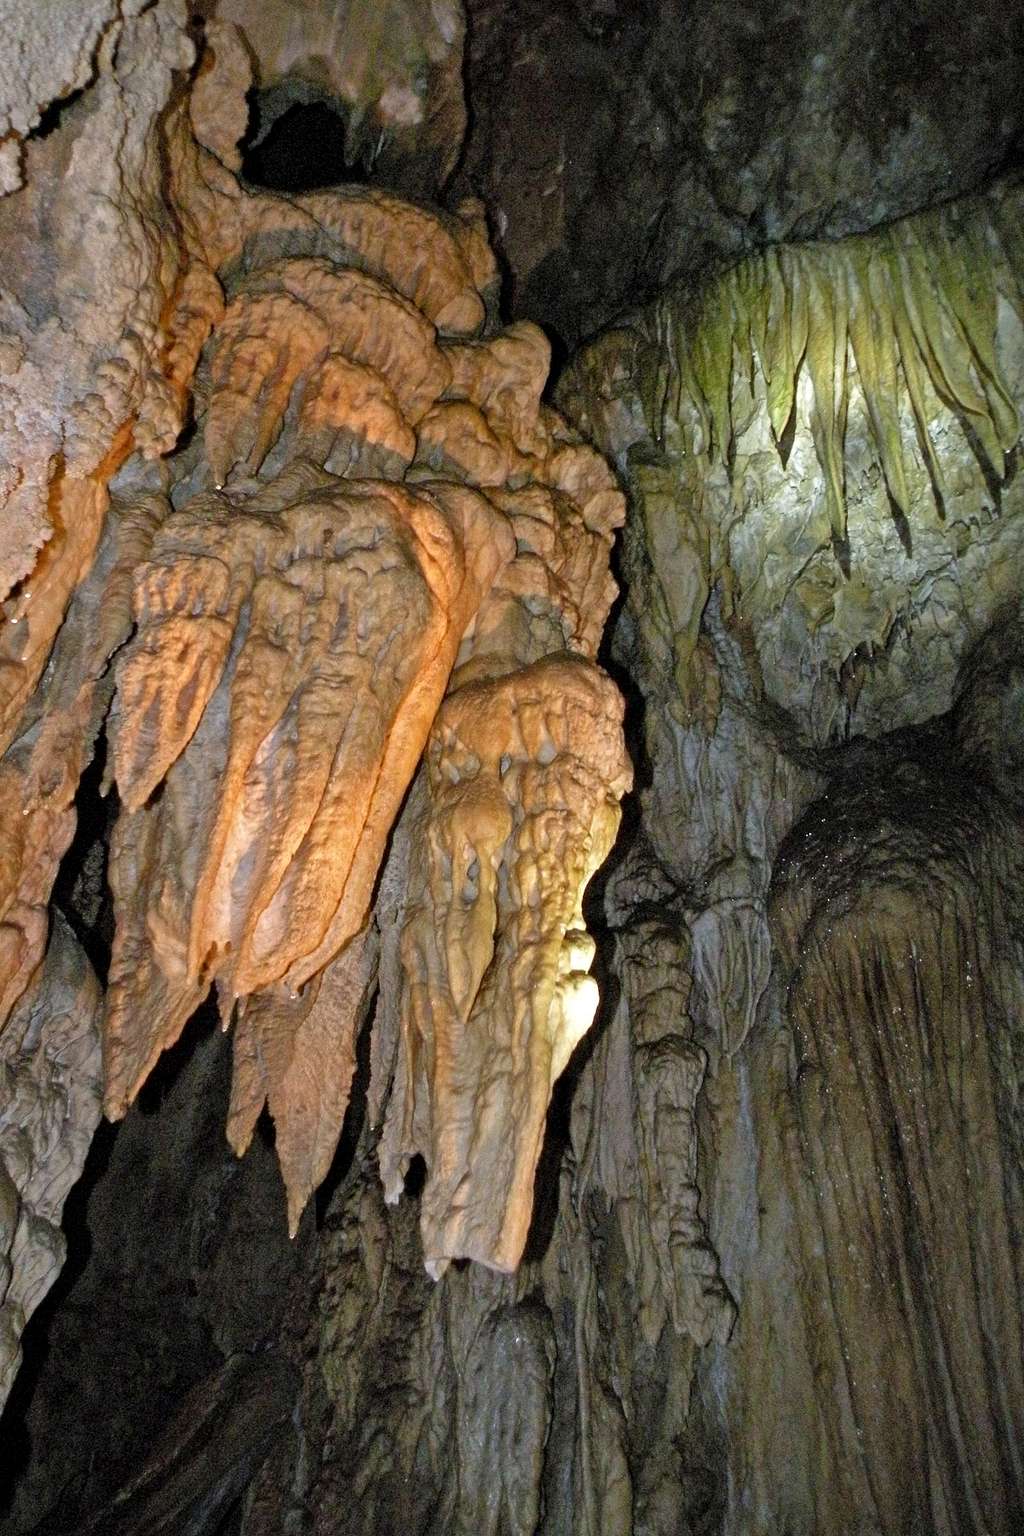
(82, 330)
(217, 107)
(826, 840)
(393, 68)
(50, 55)
(766, 1252)
(188, 1417)
(817, 432)
(50, 1075)
(524, 778)
(40, 773)
(282, 327)
(297, 627)
(292, 649)
(623, 144)
(883, 1108)
(297, 1055)
(205, 1458)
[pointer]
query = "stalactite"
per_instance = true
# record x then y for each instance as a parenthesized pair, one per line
(810, 433)
(299, 532)
(39, 774)
(375, 511)
(821, 446)
(524, 776)
(912, 301)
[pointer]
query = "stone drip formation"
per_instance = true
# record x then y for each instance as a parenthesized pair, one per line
(823, 563)
(380, 549)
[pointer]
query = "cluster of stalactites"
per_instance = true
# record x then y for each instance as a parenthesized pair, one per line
(910, 305)
(379, 511)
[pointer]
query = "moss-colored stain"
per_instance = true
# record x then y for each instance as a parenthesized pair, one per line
(911, 302)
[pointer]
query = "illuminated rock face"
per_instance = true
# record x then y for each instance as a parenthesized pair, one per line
(815, 434)
(824, 572)
(291, 651)
(623, 146)
(375, 498)
(523, 777)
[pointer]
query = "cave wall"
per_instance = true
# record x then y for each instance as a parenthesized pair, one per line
(623, 144)
(831, 795)
(308, 576)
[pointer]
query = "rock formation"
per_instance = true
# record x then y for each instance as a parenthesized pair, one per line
(822, 449)
(623, 145)
(520, 809)
(377, 510)
(652, 1178)
(50, 1061)
(391, 69)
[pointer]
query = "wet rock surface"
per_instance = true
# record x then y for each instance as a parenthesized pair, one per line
(619, 146)
(671, 1189)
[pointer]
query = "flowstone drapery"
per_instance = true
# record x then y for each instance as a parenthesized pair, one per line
(376, 511)
(823, 570)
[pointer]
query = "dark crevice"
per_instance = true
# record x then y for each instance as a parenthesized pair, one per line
(305, 148)
(52, 116)
(352, 1127)
(171, 1065)
(80, 889)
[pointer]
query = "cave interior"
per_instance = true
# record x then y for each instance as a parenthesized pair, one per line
(511, 730)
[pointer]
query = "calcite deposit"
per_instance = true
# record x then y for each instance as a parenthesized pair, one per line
(377, 511)
(823, 565)
(827, 423)
(640, 1177)
(296, 629)
(524, 775)
(897, 1078)
(50, 1073)
(625, 144)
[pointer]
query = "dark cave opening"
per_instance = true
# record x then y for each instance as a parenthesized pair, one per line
(305, 148)
(80, 889)
(162, 1208)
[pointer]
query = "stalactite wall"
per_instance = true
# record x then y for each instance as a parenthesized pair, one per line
(379, 547)
(658, 1177)
(824, 580)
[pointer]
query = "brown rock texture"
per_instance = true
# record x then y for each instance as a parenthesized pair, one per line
(295, 635)
(524, 775)
(891, 1142)
(376, 511)
(86, 365)
(40, 772)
